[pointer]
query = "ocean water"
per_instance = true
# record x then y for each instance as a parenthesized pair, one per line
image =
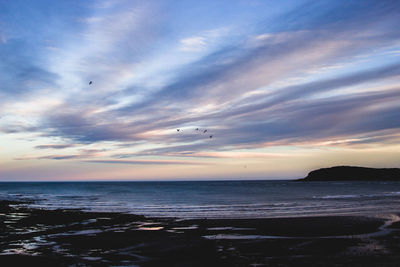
(212, 199)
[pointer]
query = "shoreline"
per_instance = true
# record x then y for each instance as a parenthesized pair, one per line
(26, 203)
(67, 237)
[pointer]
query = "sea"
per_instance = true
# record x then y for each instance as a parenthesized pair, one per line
(212, 199)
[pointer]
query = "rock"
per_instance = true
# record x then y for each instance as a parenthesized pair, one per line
(351, 173)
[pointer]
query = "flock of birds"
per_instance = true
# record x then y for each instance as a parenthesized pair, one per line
(197, 129)
(178, 130)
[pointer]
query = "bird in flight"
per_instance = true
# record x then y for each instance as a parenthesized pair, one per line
(90, 82)
(204, 131)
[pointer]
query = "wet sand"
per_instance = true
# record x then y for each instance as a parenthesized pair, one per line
(73, 237)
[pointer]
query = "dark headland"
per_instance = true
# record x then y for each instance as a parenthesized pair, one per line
(351, 173)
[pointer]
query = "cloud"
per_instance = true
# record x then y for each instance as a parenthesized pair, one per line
(295, 92)
(204, 41)
(267, 118)
(324, 119)
(270, 84)
(22, 72)
(148, 162)
(10, 128)
(79, 154)
(228, 73)
(56, 146)
(193, 44)
(53, 157)
(88, 129)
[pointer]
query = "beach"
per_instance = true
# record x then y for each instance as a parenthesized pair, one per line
(165, 133)
(64, 237)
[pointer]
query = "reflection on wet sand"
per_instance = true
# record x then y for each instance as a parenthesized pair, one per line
(73, 237)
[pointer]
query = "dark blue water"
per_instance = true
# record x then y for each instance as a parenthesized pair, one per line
(217, 199)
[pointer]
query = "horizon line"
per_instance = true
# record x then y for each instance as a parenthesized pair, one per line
(164, 180)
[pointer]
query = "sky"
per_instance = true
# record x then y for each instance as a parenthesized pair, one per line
(283, 87)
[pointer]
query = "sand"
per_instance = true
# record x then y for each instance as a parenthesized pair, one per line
(72, 237)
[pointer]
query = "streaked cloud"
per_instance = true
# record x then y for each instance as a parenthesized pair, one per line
(194, 43)
(204, 41)
(148, 162)
(57, 146)
(263, 80)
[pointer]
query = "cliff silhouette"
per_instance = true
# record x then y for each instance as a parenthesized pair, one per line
(351, 173)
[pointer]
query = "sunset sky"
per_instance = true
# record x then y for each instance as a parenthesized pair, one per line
(283, 87)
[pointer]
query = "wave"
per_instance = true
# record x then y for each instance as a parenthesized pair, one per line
(216, 200)
(384, 194)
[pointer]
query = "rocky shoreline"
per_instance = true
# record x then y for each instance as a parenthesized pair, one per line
(74, 238)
